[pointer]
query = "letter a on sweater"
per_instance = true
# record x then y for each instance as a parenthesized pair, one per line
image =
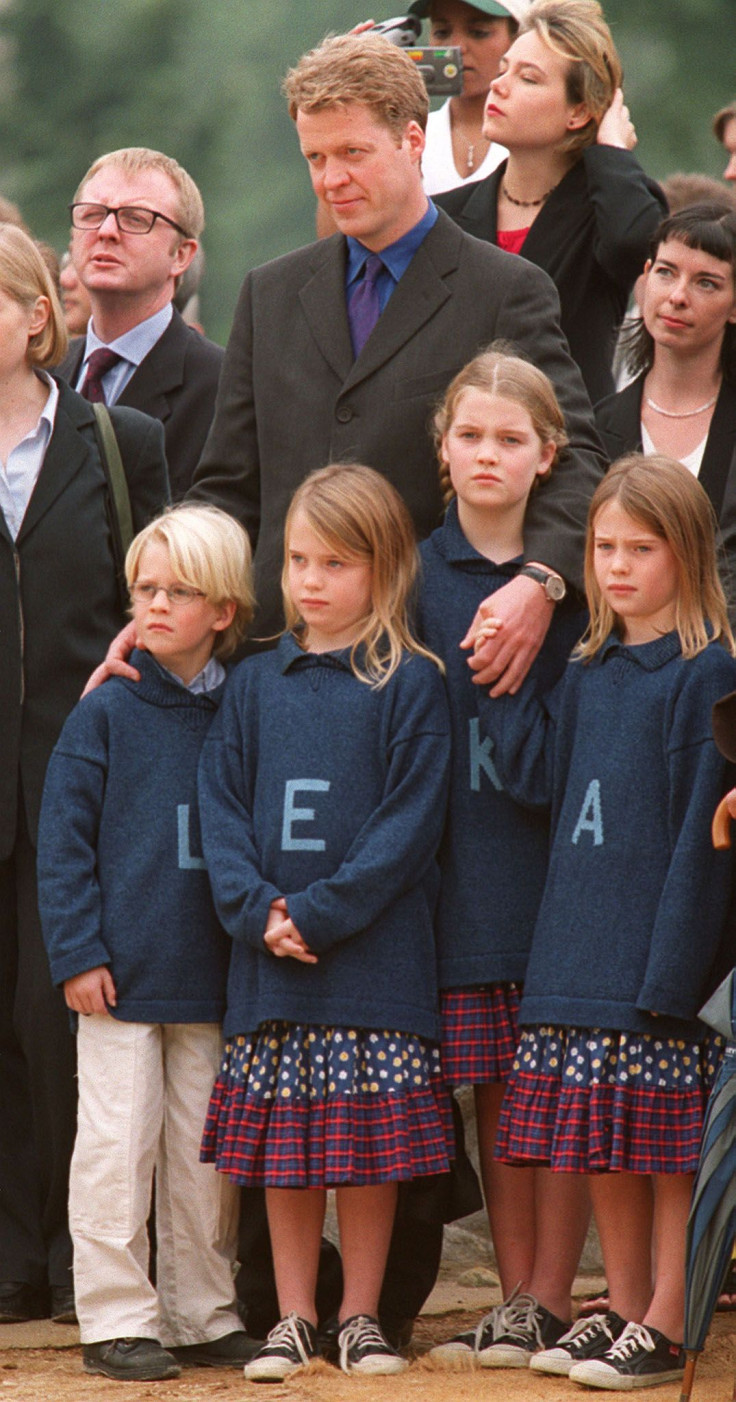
(591, 816)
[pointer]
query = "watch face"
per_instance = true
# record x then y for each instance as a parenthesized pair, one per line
(555, 588)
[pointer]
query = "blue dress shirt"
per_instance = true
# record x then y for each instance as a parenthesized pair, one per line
(396, 257)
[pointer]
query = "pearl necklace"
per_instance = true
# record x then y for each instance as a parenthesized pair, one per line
(684, 414)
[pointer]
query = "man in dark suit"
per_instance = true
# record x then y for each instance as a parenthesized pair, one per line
(297, 390)
(136, 219)
(309, 378)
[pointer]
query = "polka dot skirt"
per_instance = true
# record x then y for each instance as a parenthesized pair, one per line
(302, 1106)
(588, 1100)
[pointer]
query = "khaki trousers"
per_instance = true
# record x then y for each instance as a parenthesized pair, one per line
(143, 1095)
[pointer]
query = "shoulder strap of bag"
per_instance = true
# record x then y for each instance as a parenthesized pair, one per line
(121, 516)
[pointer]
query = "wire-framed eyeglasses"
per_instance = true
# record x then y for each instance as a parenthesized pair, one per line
(178, 594)
(130, 218)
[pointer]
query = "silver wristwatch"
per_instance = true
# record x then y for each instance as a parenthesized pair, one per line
(553, 585)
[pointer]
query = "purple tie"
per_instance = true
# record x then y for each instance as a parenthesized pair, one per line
(98, 365)
(364, 307)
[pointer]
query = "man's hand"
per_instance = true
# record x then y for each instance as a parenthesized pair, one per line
(282, 937)
(116, 662)
(518, 617)
(91, 992)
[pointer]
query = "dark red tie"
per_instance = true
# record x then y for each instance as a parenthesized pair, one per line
(364, 307)
(98, 365)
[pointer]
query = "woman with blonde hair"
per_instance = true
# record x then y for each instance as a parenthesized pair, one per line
(60, 604)
(571, 197)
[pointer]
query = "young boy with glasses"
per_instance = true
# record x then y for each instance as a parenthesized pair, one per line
(133, 938)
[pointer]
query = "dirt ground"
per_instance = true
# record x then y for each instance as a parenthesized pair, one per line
(54, 1374)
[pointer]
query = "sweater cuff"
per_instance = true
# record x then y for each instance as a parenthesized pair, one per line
(254, 924)
(667, 1003)
(78, 961)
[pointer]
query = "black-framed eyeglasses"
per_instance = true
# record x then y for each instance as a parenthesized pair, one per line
(130, 218)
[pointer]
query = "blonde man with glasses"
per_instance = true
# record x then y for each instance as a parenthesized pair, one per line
(136, 220)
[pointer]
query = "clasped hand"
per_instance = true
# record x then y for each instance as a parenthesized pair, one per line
(282, 937)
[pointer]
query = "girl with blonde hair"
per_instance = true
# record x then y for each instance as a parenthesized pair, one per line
(633, 932)
(322, 790)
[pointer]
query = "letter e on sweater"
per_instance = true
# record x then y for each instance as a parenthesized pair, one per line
(292, 815)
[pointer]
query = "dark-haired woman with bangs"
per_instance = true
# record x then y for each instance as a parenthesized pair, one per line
(683, 354)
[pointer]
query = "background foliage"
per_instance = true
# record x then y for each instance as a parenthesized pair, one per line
(201, 81)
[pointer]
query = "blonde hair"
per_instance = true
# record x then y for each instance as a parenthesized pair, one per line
(358, 513)
(134, 159)
(577, 31)
(499, 370)
(360, 68)
(664, 497)
(24, 276)
(209, 550)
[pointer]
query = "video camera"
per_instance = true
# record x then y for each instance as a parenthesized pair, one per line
(441, 69)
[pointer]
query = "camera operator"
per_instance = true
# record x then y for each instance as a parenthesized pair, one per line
(457, 152)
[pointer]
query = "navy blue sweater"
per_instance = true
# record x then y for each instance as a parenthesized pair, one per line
(635, 917)
(493, 857)
(122, 880)
(316, 788)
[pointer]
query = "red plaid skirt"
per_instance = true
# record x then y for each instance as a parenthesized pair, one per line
(313, 1107)
(586, 1100)
(480, 1033)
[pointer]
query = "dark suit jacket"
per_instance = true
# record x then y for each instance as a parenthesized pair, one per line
(619, 424)
(592, 236)
(176, 383)
(59, 601)
(292, 398)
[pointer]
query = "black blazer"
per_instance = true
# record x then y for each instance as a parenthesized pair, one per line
(59, 600)
(176, 383)
(292, 396)
(619, 424)
(592, 236)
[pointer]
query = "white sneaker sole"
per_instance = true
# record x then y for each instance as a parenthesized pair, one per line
(270, 1370)
(596, 1373)
(553, 1361)
(451, 1352)
(377, 1367)
(503, 1356)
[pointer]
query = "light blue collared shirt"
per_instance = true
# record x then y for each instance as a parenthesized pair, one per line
(210, 676)
(19, 475)
(396, 257)
(133, 346)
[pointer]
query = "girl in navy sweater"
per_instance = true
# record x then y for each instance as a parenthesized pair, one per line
(633, 931)
(323, 788)
(499, 431)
